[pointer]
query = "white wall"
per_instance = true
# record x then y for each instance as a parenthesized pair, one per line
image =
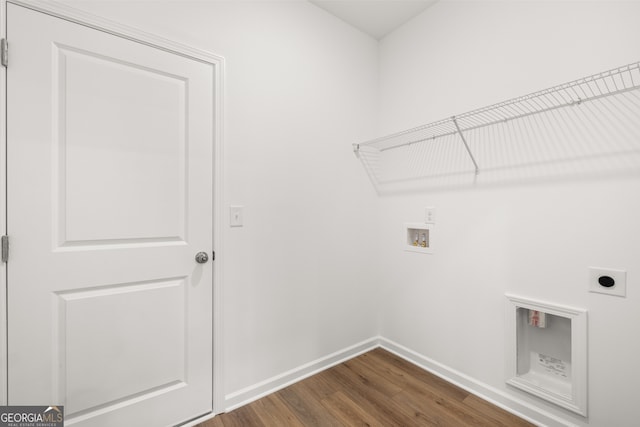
(533, 239)
(300, 88)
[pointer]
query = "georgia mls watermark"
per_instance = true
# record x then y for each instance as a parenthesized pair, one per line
(31, 416)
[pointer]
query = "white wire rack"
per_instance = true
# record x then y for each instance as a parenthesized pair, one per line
(606, 84)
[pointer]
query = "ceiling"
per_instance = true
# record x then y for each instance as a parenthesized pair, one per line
(375, 17)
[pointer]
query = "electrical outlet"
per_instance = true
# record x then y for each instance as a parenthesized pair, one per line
(430, 215)
(608, 281)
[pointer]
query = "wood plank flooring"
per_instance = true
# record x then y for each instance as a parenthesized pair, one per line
(374, 389)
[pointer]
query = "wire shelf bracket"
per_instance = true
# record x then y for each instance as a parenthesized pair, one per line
(464, 141)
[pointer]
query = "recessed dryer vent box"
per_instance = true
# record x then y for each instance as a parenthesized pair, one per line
(418, 238)
(546, 349)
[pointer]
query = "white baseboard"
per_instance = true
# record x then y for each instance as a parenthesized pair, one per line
(273, 384)
(198, 420)
(497, 397)
(491, 394)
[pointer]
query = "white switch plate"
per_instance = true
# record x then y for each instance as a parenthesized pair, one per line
(620, 281)
(430, 215)
(236, 216)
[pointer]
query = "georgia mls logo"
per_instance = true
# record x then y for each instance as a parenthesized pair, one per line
(31, 416)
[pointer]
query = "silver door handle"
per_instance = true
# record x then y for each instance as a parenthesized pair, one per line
(202, 257)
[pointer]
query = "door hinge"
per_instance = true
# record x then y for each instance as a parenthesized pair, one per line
(213, 255)
(5, 248)
(4, 52)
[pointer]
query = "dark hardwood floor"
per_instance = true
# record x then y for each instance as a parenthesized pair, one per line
(374, 389)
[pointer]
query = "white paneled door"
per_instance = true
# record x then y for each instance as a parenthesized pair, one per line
(110, 158)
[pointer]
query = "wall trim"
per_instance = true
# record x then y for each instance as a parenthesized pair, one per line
(491, 394)
(4, 382)
(93, 21)
(254, 392)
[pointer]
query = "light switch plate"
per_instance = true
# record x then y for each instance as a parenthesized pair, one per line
(608, 281)
(236, 216)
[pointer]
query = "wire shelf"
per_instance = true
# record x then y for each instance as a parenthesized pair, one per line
(460, 128)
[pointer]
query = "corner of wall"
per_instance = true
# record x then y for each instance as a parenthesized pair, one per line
(278, 382)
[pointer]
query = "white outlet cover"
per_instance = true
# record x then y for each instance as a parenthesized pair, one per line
(620, 281)
(430, 215)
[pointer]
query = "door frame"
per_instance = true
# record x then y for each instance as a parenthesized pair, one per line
(78, 16)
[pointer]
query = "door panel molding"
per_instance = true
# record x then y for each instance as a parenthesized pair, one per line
(80, 17)
(81, 317)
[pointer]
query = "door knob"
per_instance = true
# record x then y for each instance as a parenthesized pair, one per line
(202, 257)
